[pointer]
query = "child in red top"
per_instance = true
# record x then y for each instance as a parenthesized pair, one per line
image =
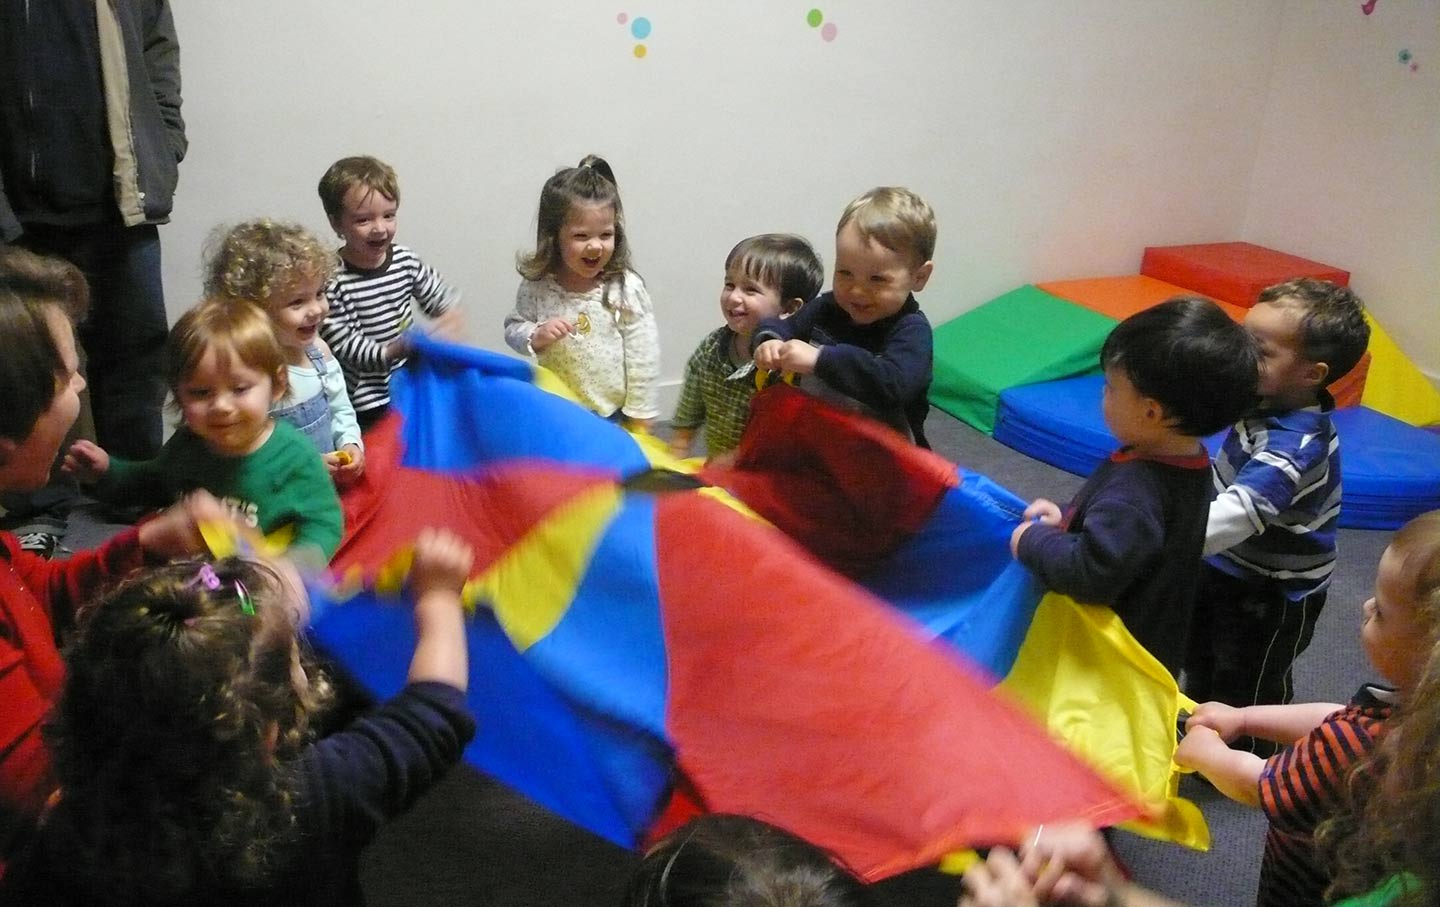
(1306, 783)
(39, 298)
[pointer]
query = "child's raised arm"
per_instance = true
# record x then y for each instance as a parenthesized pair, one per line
(442, 564)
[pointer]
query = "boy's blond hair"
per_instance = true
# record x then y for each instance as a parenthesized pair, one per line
(897, 219)
(361, 170)
(259, 258)
(232, 328)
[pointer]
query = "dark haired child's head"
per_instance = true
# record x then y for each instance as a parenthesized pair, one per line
(1309, 333)
(1402, 619)
(767, 276)
(40, 379)
(736, 861)
(1181, 368)
(580, 228)
(282, 268)
(884, 246)
(187, 694)
(226, 369)
(361, 196)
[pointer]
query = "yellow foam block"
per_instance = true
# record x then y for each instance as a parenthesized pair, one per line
(1395, 386)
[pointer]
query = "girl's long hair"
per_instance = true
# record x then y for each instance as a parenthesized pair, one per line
(175, 735)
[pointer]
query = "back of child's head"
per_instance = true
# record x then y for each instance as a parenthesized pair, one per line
(183, 708)
(259, 258)
(31, 284)
(364, 171)
(1333, 329)
(1417, 549)
(783, 261)
(735, 861)
(230, 328)
(591, 182)
(1197, 362)
(897, 219)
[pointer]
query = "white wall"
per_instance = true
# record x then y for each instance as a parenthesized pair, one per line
(1348, 170)
(1054, 140)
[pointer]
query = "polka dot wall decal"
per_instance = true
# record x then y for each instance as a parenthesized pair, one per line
(816, 19)
(639, 51)
(622, 18)
(1405, 56)
(640, 28)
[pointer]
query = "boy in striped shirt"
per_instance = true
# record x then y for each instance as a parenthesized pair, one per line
(373, 294)
(1270, 537)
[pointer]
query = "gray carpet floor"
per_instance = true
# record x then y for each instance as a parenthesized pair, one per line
(473, 841)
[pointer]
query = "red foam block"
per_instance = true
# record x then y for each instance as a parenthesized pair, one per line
(1232, 271)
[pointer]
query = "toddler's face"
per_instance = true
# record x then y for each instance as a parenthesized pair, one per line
(226, 403)
(1395, 637)
(871, 281)
(587, 240)
(26, 467)
(367, 225)
(745, 301)
(297, 310)
(1286, 376)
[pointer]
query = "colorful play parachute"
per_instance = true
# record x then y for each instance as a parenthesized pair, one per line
(643, 644)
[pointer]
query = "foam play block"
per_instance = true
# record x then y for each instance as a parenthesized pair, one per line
(1121, 297)
(1233, 272)
(1390, 471)
(1395, 386)
(1024, 336)
(1349, 388)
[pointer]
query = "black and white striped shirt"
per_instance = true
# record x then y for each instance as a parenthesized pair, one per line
(369, 309)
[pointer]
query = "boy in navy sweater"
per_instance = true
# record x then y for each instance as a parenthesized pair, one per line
(1132, 536)
(866, 342)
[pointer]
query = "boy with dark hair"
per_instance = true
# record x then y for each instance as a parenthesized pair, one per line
(866, 342)
(1270, 539)
(1131, 537)
(766, 276)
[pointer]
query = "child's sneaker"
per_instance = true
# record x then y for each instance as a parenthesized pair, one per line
(40, 542)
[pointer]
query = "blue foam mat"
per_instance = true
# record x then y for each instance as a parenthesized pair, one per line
(1391, 468)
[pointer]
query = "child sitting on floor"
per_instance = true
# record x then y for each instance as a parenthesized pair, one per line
(1307, 781)
(1131, 537)
(184, 752)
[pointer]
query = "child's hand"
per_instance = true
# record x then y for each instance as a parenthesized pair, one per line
(448, 325)
(1047, 512)
(767, 355)
(1070, 863)
(175, 531)
(398, 348)
(549, 332)
(442, 564)
(997, 882)
(1200, 748)
(345, 465)
(1225, 720)
(798, 357)
(86, 461)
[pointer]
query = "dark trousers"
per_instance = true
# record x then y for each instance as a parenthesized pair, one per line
(1244, 639)
(122, 347)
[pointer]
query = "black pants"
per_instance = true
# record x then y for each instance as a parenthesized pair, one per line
(1244, 639)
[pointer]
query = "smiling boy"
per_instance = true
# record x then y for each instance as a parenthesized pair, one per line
(372, 295)
(866, 341)
(766, 276)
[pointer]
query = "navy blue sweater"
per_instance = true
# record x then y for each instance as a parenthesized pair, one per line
(1131, 539)
(886, 366)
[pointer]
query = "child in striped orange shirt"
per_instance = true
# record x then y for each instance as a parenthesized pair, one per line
(1306, 782)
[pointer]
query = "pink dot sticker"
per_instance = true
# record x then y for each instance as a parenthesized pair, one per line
(827, 31)
(622, 18)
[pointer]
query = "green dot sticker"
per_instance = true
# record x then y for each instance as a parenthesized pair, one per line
(814, 18)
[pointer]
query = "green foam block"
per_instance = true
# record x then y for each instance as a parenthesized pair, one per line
(1023, 337)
